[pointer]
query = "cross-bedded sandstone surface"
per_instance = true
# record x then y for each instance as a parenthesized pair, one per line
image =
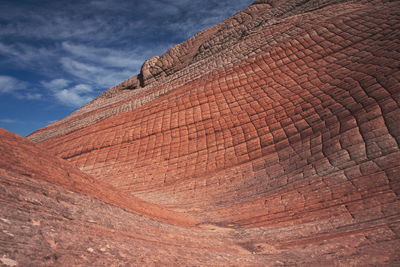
(271, 138)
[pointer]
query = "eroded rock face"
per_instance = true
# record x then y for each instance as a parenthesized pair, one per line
(54, 215)
(275, 134)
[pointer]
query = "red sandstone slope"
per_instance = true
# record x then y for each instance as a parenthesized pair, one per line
(304, 129)
(51, 214)
(22, 157)
(42, 223)
(280, 125)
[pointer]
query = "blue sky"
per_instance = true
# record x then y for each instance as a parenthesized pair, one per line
(57, 55)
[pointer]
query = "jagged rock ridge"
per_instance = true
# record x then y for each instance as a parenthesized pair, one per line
(275, 134)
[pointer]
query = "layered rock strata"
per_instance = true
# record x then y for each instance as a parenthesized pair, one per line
(54, 215)
(274, 134)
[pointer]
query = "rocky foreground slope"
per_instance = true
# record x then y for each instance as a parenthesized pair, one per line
(270, 139)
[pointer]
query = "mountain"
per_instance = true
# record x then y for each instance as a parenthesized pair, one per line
(271, 139)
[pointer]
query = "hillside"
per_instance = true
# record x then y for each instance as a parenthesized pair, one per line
(272, 138)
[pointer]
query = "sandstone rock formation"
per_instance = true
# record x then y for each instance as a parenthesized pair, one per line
(270, 139)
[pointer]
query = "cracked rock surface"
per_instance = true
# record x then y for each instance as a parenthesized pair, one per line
(271, 139)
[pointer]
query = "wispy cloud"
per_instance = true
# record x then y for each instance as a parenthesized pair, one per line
(98, 75)
(55, 84)
(67, 52)
(18, 89)
(73, 21)
(9, 84)
(185, 17)
(105, 56)
(26, 56)
(73, 96)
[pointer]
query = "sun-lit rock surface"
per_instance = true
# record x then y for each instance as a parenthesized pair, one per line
(275, 135)
(54, 215)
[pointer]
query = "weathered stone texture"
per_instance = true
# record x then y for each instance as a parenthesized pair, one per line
(54, 215)
(274, 134)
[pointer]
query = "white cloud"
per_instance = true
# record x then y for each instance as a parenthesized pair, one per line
(56, 84)
(27, 56)
(73, 96)
(103, 67)
(69, 97)
(33, 96)
(9, 84)
(95, 44)
(80, 69)
(82, 88)
(93, 73)
(106, 56)
(17, 88)
(58, 25)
